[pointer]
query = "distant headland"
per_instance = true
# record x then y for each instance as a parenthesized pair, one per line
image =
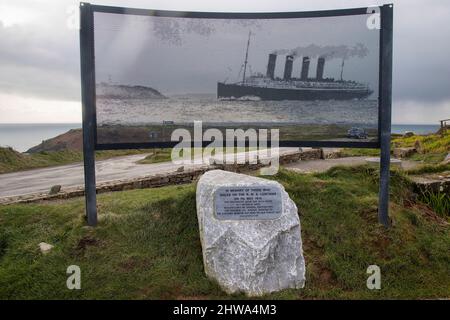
(114, 91)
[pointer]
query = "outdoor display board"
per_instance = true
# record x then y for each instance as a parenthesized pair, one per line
(322, 78)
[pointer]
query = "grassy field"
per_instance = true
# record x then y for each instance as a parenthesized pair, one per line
(353, 152)
(147, 246)
(432, 148)
(157, 156)
(432, 143)
(11, 160)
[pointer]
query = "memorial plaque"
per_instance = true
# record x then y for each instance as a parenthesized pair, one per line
(248, 203)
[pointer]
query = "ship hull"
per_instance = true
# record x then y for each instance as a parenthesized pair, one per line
(238, 91)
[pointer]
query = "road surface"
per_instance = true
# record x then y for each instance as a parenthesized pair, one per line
(118, 168)
(123, 168)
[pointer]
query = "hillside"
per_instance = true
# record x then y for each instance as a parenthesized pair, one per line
(430, 148)
(12, 160)
(110, 91)
(147, 245)
(71, 140)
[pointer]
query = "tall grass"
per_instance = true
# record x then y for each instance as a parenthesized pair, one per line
(438, 201)
(432, 143)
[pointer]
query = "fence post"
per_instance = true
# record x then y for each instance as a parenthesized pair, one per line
(88, 109)
(385, 112)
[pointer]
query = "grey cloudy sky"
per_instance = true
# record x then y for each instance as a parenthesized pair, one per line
(177, 55)
(39, 54)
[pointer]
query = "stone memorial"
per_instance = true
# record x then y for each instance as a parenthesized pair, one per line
(250, 234)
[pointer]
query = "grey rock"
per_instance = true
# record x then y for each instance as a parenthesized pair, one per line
(408, 134)
(403, 152)
(310, 154)
(251, 256)
(438, 183)
(447, 159)
(55, 189)
(45, 247)
(331, 153)
(418, 146)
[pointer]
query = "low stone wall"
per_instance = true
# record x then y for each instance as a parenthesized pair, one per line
(437, 183)
(401, 153)
(155, 181)
(331, 153)
(160, 180)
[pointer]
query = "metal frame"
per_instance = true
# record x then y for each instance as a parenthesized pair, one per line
(89, 114)
(385, 101)
(87, 51)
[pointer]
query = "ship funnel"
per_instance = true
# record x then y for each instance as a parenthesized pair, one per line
(288, 67)
(320, 67)
(271, 66)
(305, 69)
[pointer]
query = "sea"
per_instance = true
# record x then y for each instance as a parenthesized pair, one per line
(207, 108)
(22, 136)
(185, 109)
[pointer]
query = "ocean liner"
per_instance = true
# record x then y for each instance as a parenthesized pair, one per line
(269, 87)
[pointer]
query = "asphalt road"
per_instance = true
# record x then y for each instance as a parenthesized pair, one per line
(123, 168)
(119, 168)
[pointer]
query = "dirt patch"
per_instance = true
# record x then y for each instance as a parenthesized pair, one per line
(317, 269)
(192, 298)
(71, 140)
(326, 276)
(426, 212)
(87, 242)
(134, 263)
(370, 214)
(381, 246)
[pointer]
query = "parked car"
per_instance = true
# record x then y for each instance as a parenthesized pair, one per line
(357, 133)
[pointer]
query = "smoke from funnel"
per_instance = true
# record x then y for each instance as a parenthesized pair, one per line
(329, 52)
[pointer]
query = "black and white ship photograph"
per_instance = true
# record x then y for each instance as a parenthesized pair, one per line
(311, 78)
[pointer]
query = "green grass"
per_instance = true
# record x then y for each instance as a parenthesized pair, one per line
(147, 246)
(11, 160)
(432, 148)
(438, 201)
(355, 152)
(431, 143)
(429, 158)
(429, 168)
(157, 155)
